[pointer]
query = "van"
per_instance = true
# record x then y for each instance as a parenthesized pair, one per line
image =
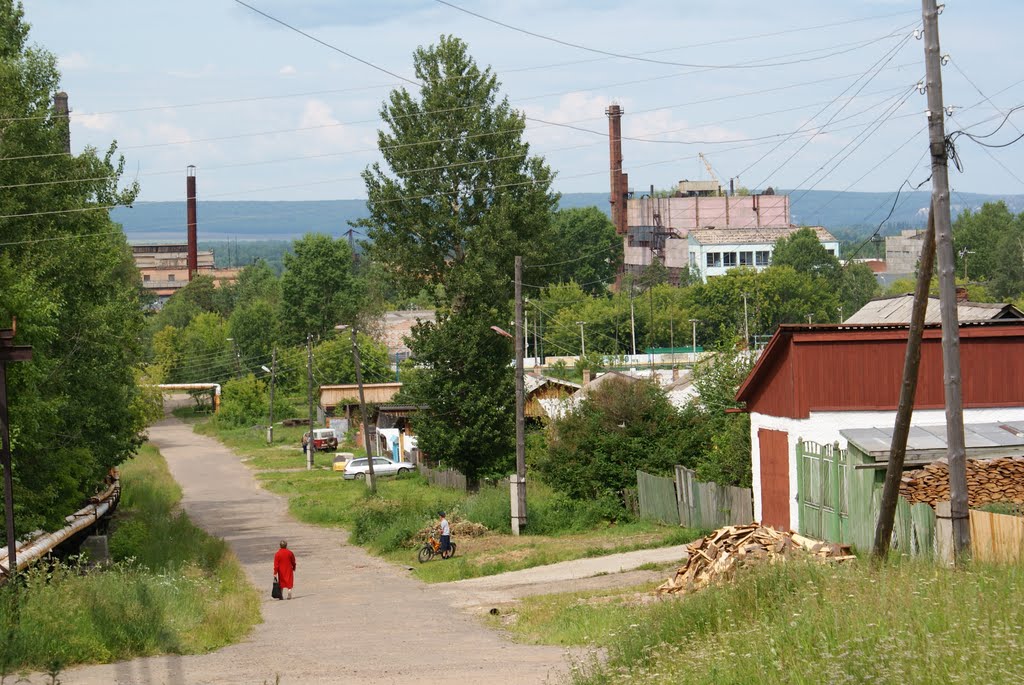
(323, 439)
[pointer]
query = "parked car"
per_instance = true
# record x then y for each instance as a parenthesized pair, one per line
(358, 468)
(323, 439)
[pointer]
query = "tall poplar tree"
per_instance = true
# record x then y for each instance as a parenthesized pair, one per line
(457, 197)
(67, 276)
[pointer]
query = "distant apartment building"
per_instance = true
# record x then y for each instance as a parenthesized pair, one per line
(713, 251)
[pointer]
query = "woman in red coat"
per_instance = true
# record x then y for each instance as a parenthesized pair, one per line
(284, 568)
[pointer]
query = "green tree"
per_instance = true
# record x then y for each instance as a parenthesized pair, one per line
(460, 197)
(804, 252)
(584, 248)
(978, 239)
(333, 361)
(318, 289)
(857, 285)
(253, 326)
(67, 276)
(619, 427)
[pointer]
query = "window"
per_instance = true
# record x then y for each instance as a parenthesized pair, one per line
(761, 257)
(693, 258)
(170, 277)
(832, 252)
(145, 277)
(746, 259)
(714, 259)
(728, 259)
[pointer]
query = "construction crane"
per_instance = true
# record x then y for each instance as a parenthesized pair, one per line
(711, 172)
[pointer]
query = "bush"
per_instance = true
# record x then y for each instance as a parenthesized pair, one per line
(244, 402)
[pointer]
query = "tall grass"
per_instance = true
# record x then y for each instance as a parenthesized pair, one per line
(906, 622)
(172, 588)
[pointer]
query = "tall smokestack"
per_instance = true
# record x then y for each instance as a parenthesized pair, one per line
(62, 118)
(190, 202)
(618, 181)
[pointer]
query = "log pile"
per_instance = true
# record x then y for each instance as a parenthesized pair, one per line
(715, 558)
(988, 481)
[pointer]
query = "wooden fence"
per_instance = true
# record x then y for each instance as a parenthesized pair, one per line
(709, 505)
(445, 478)
(996, 537)
(657, 498)
(684, 500)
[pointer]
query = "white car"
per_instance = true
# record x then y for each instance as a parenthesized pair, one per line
(358, 468)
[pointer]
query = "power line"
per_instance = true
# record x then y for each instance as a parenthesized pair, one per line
(619, 55)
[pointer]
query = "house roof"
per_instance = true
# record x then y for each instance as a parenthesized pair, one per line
(897, 309)
(753, 236)
(532, 383)
(857, 367)
(981, 439)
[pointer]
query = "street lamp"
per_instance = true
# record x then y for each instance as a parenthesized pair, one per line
(583, 344)
(362, 406)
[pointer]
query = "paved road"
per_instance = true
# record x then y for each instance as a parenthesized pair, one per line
(355, 619)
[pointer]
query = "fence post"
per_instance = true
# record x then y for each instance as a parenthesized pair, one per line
(944, 534)
(801, 486)
(834, 523)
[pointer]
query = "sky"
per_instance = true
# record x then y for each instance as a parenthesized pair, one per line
(792, 94)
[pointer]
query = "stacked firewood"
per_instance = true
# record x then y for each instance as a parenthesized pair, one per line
(715, 558)
(988, 480)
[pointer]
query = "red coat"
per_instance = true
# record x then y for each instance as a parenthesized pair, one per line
(284, 568)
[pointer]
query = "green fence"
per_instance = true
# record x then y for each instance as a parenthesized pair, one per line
(839, 495)
(657, 498)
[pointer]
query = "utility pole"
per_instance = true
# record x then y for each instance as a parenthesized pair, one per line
(583, 343)
(694, 348)
(672, 335)
(518, 484)
(362, 410)
(632, 317)
(238, 358)
(956, 453)
(536, 350)
(273, 376)
(908, 390)
(309, 395)
(9, 352)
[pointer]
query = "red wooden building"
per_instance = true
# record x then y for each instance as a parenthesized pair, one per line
(814, 380)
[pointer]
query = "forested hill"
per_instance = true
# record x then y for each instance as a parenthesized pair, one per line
(279, 220)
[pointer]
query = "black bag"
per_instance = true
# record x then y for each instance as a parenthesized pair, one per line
(275, 592)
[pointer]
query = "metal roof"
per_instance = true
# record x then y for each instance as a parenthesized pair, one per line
(897, 309)
(531, 382)
(754, 236)
(982, 439)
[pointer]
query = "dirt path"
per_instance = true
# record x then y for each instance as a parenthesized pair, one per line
(355, 619)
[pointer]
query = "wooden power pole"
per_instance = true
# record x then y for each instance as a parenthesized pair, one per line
(310, 447)
(956, 452)
(519, 483)
(9, 352)
(908, 390)
(273, 377)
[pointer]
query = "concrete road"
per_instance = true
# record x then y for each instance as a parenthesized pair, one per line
(354, 619)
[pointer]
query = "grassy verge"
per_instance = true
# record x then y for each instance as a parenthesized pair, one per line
(388, 523)
(172, 589)
(907, 622)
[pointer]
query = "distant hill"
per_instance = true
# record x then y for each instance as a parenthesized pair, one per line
(280, 220)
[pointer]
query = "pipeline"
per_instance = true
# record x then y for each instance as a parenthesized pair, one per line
(39, 545)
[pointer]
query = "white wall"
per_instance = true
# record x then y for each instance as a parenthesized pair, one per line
(824, 427)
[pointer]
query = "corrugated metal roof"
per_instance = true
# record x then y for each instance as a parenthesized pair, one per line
(978, 437)
(752, 236)
(898, 309)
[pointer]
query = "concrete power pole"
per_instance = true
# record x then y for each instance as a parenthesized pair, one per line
(518, 483)
(273, 374)
(362, 411)
(956, 452)
(309, 394)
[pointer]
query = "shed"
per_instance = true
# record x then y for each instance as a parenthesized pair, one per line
(545, 394)
(814, 381)
(897, 309)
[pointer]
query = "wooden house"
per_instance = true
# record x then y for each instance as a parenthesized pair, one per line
(814, 381)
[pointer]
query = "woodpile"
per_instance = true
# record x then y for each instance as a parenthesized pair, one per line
(988, 481)
(714, 559)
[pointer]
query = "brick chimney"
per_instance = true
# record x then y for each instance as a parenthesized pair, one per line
(619, 182)
(62, 116)
(586, 376)
(675, 373)
(190, 205)
(961, 294)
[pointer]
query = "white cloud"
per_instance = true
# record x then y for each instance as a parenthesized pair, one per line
(74, 61)
(287, 70)
(95, 122)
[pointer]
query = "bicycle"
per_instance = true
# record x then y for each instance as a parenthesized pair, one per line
(433, 546)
